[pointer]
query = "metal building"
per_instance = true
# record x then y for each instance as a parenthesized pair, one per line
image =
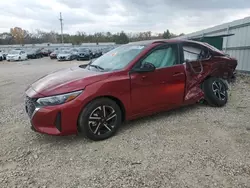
(237, 45)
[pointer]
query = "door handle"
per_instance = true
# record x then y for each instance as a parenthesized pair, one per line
(178, 74)
(143, 77)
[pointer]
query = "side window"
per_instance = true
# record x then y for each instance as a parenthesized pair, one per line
(195, 53)
(163, 57)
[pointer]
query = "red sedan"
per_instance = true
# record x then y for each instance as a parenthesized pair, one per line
(131, 81)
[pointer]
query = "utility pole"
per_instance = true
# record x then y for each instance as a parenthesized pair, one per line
(61, 21)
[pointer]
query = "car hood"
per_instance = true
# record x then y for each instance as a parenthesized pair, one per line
(12, 55)
(64, 81)
(64, 54)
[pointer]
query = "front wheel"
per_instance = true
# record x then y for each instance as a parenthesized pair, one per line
(215, 92)
(100, 119)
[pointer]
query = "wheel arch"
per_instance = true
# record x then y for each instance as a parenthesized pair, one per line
(215, 76)
(118, 102)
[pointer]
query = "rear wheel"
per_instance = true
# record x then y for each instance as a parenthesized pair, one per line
(215, 92)
(100, 119)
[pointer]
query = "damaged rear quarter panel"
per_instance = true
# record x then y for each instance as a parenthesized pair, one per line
(221, 67)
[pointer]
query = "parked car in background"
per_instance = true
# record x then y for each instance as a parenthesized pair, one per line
(84, 54)
(105, 50)
(54, 54)
(96, 53)
(16, 55)
(134, 80)
(66, 55)
(1, 56)
(63, 48)
(4, 53)
(46, 52)
(74, 51)
(34, 53)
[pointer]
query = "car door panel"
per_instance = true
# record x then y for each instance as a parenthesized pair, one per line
(24, 55)
(162, 88)
(196, 71)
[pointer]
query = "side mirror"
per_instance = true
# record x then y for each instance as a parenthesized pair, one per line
(146, 67)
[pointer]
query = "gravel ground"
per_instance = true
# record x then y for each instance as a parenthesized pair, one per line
(195, 146)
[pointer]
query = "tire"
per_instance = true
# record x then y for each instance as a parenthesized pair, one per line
(19, 59)
(215, 92)
(1, 59)
(100, 129)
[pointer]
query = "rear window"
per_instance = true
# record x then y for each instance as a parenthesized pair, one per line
(214, 49)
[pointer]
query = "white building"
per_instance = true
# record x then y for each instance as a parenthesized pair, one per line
(237, 45)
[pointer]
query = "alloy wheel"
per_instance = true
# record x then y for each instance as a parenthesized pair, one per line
(219, 90)
(102, 120)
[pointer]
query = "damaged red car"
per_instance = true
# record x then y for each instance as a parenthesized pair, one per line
(131, 81)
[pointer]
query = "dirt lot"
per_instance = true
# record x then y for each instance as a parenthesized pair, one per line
(196, 146)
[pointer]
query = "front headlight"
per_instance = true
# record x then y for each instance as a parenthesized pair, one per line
(58, 99)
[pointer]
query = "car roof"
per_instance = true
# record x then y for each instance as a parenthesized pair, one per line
(148, 42)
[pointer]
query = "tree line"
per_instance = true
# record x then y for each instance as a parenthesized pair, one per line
(18, 35)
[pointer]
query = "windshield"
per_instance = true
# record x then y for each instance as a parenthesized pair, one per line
(83, 50)
(14, 52)
(118, 58)
(31, 50)
(66, 51)
(74, 50)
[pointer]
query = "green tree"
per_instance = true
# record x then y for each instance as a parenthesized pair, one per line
(121, 38)
(166, 34)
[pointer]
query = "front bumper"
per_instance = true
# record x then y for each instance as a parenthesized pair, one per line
(15, 58)
(54, 120)
(83, 57)
(31, 56)
(53, 57)
(63, 58)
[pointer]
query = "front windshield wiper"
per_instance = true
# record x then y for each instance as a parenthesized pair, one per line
(96, 66)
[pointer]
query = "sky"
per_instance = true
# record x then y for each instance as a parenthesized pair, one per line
(90, 16)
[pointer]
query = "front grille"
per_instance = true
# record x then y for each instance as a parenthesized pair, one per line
(62, 58)
(30, 106)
